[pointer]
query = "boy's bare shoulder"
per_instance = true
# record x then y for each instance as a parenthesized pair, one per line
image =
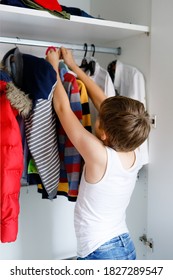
(127, 159)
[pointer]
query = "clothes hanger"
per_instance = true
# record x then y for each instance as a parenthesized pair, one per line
(92, 63)
(111, 69)
(12, 61)
(84, 63)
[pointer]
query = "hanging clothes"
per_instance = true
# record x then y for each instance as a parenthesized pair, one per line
(111, 70)
(41, 123)
(71, 162)
(129, 81)
(37, 77)
(84, 99)
(102, 78)
(21, 123)
(70, 158)
(12, 102)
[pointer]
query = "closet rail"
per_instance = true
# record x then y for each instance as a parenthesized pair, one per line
(18, 41)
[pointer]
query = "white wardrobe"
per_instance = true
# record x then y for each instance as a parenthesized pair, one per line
(142, 28)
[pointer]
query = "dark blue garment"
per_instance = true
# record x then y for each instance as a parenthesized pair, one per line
(24, 179)
(4, 76)
(76, 11)
(17, 3)
(38, 77)
(32, 74)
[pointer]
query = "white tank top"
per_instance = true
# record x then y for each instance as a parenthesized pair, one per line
(100, 208)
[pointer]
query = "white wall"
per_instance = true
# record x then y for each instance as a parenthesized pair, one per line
(46, 229)
(129, 11)
(160, 208)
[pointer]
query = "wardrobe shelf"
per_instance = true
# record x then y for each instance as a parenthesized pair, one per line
(32, 24)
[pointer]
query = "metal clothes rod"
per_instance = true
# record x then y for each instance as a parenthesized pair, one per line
(18, 41)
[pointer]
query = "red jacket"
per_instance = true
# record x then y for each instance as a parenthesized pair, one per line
(11, 168)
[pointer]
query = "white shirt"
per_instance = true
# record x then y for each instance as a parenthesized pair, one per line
(100, 208)
(129, 81)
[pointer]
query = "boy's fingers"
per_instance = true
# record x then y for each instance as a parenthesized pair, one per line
(51, 48)
(63, 50)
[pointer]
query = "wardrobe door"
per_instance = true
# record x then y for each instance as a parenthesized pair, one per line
(160, 188)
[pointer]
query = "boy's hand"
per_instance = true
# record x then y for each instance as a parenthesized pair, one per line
(53, 57)
(67, 56)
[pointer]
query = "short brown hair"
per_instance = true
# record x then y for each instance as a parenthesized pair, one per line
(125, 122)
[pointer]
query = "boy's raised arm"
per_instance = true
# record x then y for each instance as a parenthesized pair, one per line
(94, 91)
(84, 141)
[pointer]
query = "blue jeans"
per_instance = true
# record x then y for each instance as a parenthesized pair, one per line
(118, 248)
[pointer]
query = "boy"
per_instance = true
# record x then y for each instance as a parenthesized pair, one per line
(112, 161)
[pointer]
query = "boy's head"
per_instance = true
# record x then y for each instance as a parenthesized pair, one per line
(125, 123)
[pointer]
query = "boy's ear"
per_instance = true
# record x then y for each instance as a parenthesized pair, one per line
(103, 136)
